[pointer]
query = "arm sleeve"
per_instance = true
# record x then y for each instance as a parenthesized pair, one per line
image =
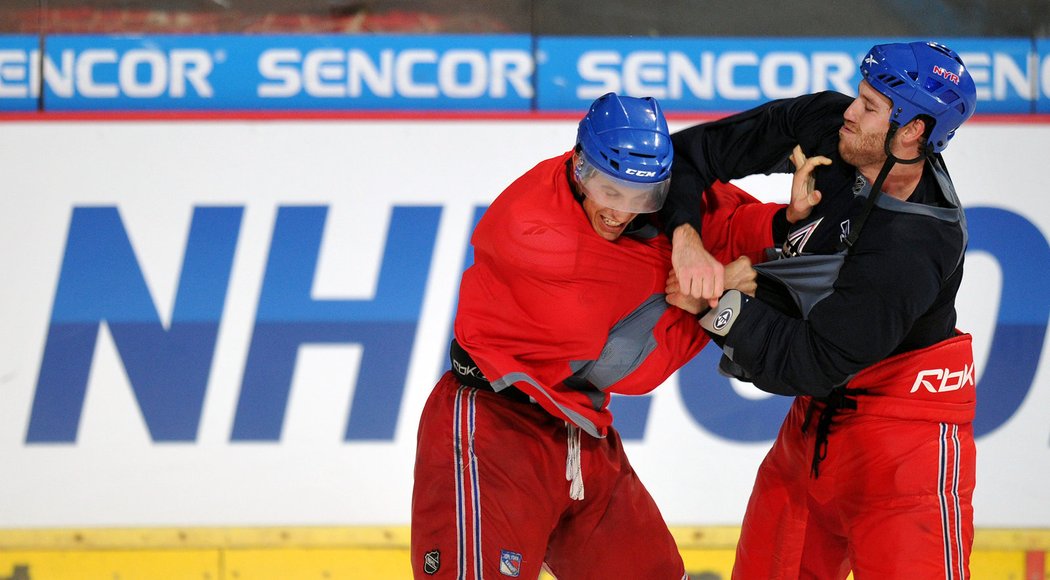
(736, 224)
(879, 295)
(677, 339)
(757, 141)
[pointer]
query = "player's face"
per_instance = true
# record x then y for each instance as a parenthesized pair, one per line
(863, 131)
(608, 223)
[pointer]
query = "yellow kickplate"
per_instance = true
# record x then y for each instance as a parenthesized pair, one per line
(310, 564)
(372, 553)
(111, 565)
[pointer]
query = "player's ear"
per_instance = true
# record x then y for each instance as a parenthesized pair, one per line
(914, 131)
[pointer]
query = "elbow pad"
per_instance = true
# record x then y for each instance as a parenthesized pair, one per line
(719, 320)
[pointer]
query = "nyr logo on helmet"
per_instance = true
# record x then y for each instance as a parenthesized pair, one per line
(947, 74)
(641, 173)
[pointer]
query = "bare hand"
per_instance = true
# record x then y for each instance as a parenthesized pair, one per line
(684, 301)
(740, 275)
(803, 194)
(700, 275)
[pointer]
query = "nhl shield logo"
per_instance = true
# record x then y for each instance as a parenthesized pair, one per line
(509, 563)
(858, 184)
(432, 562)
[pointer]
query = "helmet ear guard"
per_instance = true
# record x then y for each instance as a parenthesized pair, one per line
(923, 79)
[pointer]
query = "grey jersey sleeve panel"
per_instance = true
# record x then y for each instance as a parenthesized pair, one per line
(579, 420)
(628, 345)
(809, 278)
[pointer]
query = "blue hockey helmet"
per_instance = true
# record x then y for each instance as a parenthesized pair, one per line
(624, 154)
(923, 78)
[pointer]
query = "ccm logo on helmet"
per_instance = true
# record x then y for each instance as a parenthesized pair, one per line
(943, 380)
(939, 71)
(641, 173)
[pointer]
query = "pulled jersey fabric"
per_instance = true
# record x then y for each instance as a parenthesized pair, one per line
(537, 306)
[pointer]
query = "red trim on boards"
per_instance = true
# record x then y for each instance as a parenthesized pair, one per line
(1035, 565)
(340, 115)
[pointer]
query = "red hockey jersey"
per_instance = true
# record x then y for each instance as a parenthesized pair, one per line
(568, 317)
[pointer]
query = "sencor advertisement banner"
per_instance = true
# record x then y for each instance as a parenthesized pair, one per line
(714, 74)
(19, 91)
(1042, 89)
(271, 72)
(236, 323)
(503, 73)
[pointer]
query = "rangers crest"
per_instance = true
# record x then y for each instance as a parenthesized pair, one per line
(509, 563)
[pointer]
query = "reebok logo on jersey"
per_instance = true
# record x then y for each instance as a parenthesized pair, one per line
(535, 228)
(943, 380)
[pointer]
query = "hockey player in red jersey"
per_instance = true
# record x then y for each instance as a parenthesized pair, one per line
(518, 464)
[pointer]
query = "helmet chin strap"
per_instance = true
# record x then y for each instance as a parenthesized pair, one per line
(891, 160)
(876, 187)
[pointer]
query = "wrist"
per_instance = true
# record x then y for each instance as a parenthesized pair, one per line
(686, 233)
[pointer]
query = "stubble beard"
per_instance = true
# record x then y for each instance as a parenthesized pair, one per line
(863, 149)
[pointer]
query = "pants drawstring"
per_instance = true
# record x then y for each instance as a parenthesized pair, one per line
(837, 400)
(573, 465)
